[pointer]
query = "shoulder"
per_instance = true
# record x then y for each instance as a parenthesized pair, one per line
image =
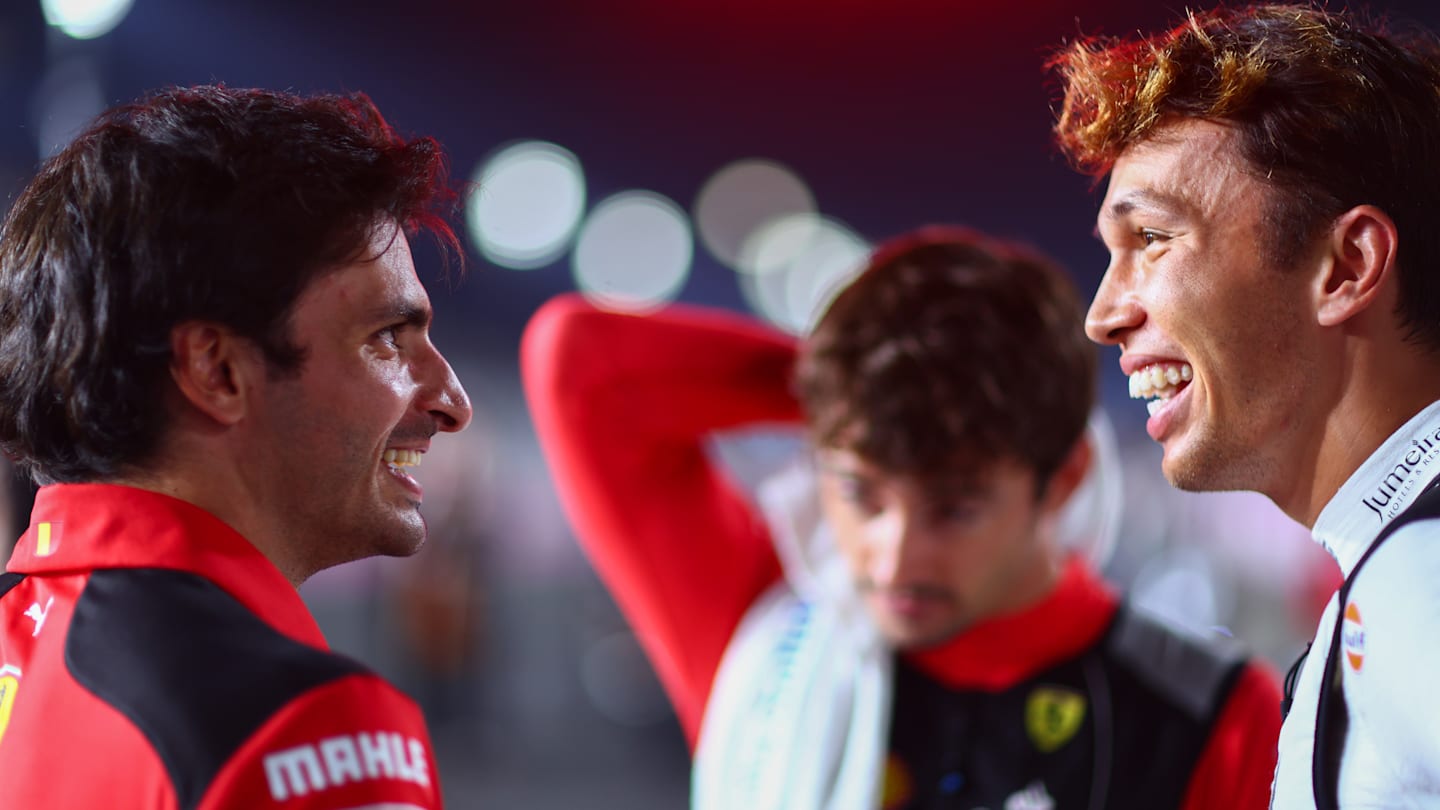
(1190, 671)
(195, 671)
(1411, 550)
(352, 742)
(1397, 584)
(1393, 612)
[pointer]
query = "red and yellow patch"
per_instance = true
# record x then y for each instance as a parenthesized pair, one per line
(9, 683)
(47, 539)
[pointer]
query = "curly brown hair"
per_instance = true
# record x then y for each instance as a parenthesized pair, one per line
(951, 348)
(1331, 109)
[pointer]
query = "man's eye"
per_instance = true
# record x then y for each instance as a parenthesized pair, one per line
(1150, 237)
(953, 512)
(390, 336)
(858, 495)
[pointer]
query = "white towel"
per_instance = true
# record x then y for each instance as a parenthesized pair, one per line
(799, 715)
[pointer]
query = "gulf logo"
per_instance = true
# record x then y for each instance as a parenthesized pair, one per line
(1352, 637)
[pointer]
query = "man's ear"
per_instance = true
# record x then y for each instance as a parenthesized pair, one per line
(1362, 246)
(1069, 475)
(214, 369)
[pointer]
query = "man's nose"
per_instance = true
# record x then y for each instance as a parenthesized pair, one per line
(1115, 311)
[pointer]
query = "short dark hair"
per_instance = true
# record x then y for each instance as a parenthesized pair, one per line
(951, 348)
(203, 203)
(1332, 110)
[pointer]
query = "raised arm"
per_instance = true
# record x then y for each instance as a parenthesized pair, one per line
(623, 405)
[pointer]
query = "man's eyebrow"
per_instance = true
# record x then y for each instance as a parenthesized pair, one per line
(410, 314)
(1144, 198)
(967, 486)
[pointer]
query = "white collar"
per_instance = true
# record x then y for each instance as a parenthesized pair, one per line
(1386, 484)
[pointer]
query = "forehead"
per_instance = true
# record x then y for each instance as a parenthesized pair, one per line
(963, 474)
(381, 280)
(1191, 167)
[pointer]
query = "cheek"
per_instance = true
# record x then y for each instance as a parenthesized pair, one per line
(847, 530)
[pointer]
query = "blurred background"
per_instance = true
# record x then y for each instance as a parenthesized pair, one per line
(741, 154)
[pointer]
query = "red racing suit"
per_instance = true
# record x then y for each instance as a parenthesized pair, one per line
(151, 657)
(623, 406)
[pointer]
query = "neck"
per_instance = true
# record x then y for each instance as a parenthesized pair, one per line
(1380, 388)
(218, 489)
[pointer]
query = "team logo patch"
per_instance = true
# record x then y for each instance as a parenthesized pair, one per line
(344, 758)
(1352, 637)
(47, 539)
(9, 683)
(1052, 716)
(899, 785)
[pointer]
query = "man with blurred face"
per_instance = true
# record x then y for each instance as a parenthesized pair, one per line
(1273, 236)
(900, 628)
(215, 359)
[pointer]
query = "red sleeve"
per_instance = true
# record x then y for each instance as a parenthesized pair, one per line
(355, 742)
(622, 405)
(1238, 764)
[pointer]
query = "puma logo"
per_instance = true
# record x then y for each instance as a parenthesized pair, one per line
(37, 614)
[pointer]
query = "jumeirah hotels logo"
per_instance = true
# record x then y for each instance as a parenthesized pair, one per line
(1384, 500)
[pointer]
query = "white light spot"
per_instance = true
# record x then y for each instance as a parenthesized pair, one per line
(85, 19)
(525, 204)
(797, 265)
(67, 100)
(741, 198)
(634, 252)
(1180, 585)
(620, 683)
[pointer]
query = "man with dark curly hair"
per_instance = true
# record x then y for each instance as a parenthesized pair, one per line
(1274, 241)
(214, 357)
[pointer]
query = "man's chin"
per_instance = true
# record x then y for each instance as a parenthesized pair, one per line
(404, 539)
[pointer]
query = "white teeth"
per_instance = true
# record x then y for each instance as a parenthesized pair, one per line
(401, 458)
(1159, 380)
(1154, 405)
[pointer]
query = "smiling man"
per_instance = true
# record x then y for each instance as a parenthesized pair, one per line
(214, 356)
(1273, 241)
(908, 632)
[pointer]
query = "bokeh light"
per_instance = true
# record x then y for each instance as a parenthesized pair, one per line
(525, 203)
(634, 252)
(67, 100)
(619, 682)
(743, 197)
(85, 19)
(795, 265)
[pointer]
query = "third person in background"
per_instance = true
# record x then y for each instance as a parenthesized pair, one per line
(913, 634)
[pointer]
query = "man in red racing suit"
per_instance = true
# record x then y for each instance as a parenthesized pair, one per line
(216, 361)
